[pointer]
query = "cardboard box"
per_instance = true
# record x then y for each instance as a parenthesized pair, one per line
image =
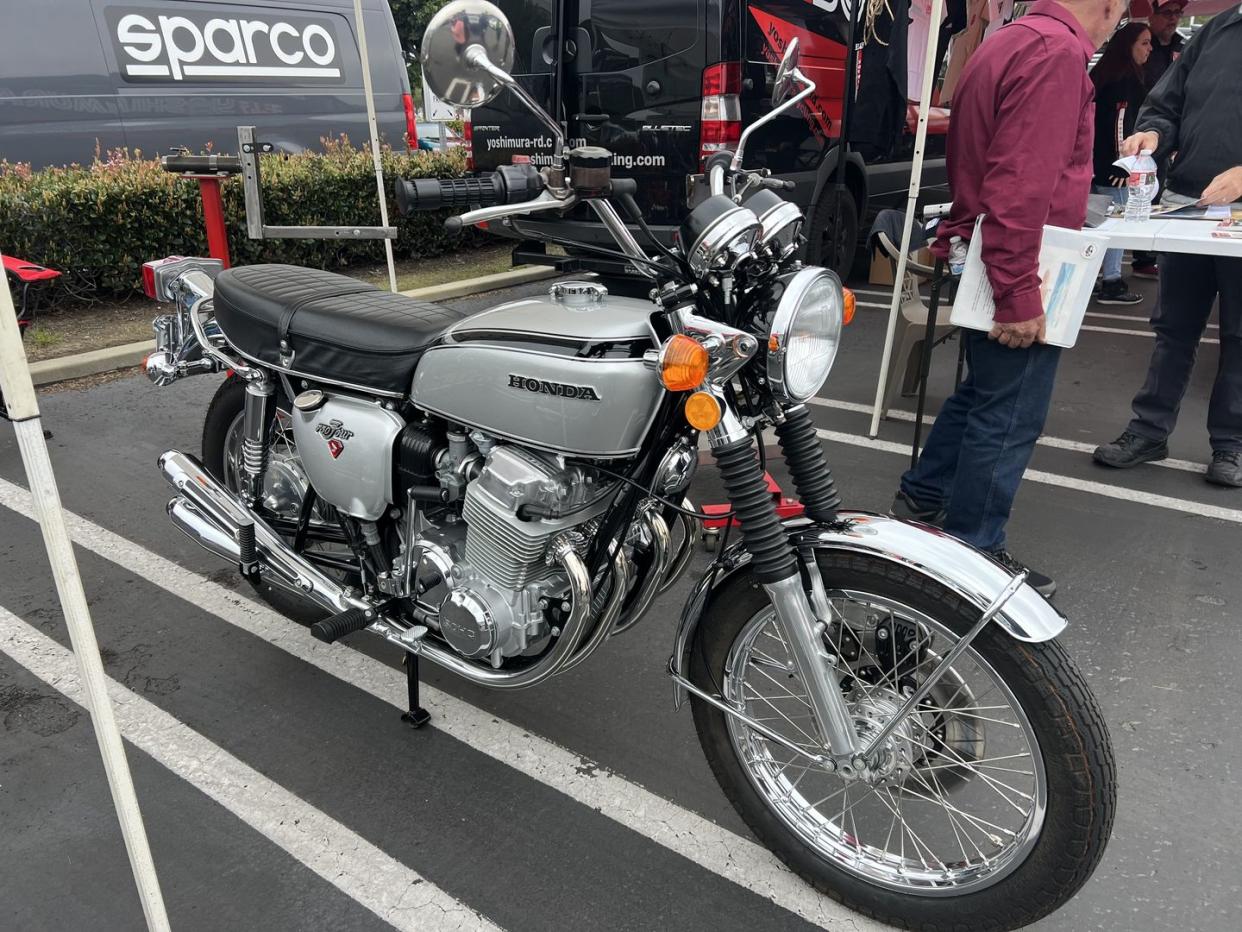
(882, 267)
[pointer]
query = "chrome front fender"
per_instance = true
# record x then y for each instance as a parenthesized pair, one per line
(968, 572)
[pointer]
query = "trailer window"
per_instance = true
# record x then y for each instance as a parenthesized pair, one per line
(628, 33)
(531, 20)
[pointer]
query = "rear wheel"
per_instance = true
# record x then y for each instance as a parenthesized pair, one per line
(284, 486)
(833, 241)
(993, 801)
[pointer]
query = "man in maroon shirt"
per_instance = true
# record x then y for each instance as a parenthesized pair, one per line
(1020, 145)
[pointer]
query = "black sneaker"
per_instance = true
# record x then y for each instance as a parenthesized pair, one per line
(1117, 292)
(1226, 469)
(1129, 450)
(1044, 585)
(1144, 269)
(908, 509)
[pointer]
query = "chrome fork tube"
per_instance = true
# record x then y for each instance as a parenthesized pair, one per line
(776, 565)
(823, 687)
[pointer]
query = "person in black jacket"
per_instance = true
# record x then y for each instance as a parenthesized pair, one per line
(1194, 111)
(1119, 93)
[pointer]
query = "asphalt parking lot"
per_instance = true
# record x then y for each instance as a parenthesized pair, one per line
(281, 791)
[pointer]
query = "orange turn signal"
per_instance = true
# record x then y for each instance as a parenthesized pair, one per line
(849, 304)
(683, 363)
(702, 411)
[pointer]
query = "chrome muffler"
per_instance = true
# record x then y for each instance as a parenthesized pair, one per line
(215, 519)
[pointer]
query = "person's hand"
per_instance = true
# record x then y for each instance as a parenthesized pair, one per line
(1118, 177)
(1225, 188)
(1135, 144)
(1020, 335)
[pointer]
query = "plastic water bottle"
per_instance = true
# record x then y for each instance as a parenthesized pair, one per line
(1141, 187)
(957, 255)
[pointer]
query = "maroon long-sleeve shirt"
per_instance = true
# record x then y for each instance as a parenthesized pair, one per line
(1019, 149)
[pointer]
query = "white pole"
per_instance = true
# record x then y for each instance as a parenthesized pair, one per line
(23, 407)
(916, 177)
(375, 150)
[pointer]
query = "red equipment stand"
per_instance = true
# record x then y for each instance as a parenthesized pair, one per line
(27, 274)
(712, 527)
(208, 170)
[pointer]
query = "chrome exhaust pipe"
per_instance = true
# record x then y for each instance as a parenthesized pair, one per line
(661, 545)
(557, 659)
(609, 613)
(211, 516)
(680, 561)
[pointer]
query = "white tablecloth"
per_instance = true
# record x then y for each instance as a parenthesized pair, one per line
(1158, 235)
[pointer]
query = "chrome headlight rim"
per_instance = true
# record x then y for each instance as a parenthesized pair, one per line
(783, 320)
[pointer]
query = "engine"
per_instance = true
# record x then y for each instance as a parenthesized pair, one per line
(503, 580)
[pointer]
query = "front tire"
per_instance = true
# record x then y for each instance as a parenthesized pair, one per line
(1071, 766)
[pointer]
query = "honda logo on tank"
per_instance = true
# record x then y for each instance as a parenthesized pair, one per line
(175, 44)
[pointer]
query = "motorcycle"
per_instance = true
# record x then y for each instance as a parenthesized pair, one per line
(502, 493)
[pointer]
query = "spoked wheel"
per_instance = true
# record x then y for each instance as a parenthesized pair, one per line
(285, 488)
(986, 808)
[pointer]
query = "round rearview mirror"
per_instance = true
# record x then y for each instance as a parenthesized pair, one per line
(467, 53)
(785, 72)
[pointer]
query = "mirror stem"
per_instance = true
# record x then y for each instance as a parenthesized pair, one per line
(477, 58)
(808, 88)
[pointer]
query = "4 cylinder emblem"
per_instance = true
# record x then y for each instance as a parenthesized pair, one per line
(335, 434)
(560, 389)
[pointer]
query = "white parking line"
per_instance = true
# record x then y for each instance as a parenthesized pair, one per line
(353, 865)
(1065, 482)
(1137, 333)
(1058, 443)
(688, 834)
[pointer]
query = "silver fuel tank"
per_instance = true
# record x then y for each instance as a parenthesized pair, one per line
(563, 373)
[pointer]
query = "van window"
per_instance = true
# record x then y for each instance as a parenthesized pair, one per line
(628, 33)
(531, 21)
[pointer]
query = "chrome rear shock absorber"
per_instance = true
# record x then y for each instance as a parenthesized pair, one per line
(256, 425)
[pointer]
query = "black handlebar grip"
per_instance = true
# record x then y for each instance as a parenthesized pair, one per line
(453, 193)
(201, 164)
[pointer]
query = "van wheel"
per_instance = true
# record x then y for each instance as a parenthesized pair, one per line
(834, 239)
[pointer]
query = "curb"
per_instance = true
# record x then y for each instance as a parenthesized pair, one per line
(111, 358)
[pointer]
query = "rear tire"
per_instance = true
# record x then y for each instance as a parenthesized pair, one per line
(833, 242)
(1072, 741)
(225, 408)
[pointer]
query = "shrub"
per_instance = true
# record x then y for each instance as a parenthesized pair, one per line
(100, 222)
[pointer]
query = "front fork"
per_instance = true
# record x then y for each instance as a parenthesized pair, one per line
(800, 619)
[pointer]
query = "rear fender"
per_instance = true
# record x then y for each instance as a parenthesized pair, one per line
(968, 572)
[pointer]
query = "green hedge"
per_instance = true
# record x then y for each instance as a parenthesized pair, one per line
(99, 223)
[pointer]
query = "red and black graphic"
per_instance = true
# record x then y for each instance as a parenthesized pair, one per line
(336, 434)
(822, 60)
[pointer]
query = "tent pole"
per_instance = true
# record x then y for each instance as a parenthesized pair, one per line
(916, 176)
(23, 409)
(375, 149)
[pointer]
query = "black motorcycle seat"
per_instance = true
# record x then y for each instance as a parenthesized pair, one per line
(327, 326)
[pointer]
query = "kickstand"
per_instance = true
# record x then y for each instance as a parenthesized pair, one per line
(417, 716)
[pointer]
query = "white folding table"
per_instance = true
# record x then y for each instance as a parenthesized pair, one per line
(1163, 235)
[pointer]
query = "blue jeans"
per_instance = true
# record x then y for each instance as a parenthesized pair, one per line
(1112, 257)
(983, 439)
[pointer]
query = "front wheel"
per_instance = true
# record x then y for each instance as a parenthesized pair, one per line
(991, 804)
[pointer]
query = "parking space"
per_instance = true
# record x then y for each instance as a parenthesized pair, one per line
(282, 791)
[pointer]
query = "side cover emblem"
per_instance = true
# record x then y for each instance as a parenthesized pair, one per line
(335, 434)
(560, 389)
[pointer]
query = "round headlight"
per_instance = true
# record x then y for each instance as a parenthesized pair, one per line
(805, 334)
(719, 234)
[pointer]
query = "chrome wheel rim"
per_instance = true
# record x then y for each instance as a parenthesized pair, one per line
(971, 804)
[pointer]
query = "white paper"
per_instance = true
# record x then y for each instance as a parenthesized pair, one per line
(1069, 262)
